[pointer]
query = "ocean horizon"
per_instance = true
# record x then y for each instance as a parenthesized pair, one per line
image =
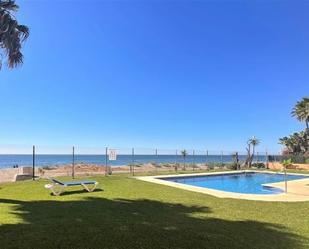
(44, 160)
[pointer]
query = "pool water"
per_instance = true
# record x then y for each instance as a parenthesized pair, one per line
(246, 183)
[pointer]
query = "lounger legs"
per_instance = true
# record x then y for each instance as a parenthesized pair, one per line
(88, 188)
(55, 188)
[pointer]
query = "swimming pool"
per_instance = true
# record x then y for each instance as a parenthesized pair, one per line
(246, 183)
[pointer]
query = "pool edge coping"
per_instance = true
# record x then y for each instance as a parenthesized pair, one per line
(298, 190)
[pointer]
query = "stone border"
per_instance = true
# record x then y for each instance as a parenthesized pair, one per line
(298, 190)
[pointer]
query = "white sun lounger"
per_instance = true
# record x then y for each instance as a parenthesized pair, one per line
(57, 187)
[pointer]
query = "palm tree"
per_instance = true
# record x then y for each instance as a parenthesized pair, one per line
(297, 143)
(184, 154)
(252, 143)
(12, 34)
(301, 111)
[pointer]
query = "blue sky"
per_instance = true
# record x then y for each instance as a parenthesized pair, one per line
(157, 74)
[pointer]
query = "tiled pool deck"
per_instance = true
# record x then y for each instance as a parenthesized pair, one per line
(298, 190)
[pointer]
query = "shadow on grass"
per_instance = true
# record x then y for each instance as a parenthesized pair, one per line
(128, 224)
(80, 191)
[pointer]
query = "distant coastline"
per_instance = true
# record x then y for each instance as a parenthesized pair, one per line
(10, 160)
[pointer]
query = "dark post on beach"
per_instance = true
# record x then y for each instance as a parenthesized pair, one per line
(176, 167)
(266, 159)
(106, 149)
(156, 162)
(33, 163)
(73, 163)
(221, 158)
(132, 161)
(193, 164)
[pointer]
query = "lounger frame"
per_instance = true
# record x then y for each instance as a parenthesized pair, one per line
(57, 187)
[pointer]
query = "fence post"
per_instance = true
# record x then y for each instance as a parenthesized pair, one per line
(133, 161)
(285, 180)
(33, 162)
(176, 155)
(266, 154)
(221, 158)
(73, 163)
(156, 160)
(193, 165)
(106, 166)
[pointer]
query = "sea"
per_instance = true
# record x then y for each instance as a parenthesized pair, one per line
(44, 160)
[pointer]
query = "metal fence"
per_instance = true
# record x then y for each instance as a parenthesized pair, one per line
(78, 160)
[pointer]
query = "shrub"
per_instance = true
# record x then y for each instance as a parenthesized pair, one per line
(295, 158)
(232, 166)
(259, 165)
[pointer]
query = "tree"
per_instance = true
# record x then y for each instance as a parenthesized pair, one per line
(184, 154)
(12, 34)
(236, 160)
(297, 143)
(301, 111)
(252, 143)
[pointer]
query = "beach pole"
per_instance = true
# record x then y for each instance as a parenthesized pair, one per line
(221, 158)
(176, 160)
(156, 160)
(133, 161)
(206, 159)
(285, 180)
(266, 154)
(33, 162)
(106, 166)
(193, 165)
(73, 162)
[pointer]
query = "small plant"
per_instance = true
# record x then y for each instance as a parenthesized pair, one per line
(259, 165)
(307, 161)
(154, 164)
(193, 165)
(287, 163)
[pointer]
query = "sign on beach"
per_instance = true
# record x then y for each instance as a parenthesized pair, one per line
(112, 155)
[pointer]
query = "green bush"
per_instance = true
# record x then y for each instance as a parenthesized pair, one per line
(295, 158)
(259, 165)
(232, 166)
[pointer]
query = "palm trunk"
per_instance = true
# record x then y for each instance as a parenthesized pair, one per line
(247, 163)
(252, 156)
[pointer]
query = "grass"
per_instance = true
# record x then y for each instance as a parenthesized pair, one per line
(128, 213)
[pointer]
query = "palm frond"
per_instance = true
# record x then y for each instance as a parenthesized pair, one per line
(12, 34)
(23, 32)
(8, 5)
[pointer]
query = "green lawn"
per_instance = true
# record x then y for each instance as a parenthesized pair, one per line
(128, 213)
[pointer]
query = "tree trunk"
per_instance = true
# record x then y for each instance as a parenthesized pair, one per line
(252, 155)
(247, 162)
